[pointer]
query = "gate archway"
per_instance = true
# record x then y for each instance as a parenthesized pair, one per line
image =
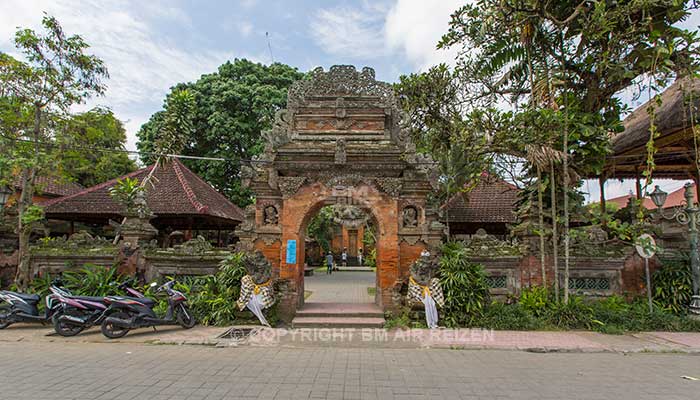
(340, 140)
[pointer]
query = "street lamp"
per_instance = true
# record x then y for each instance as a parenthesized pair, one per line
(5, 194)
(687, 216)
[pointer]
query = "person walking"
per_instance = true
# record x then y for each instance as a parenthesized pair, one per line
(329, 262)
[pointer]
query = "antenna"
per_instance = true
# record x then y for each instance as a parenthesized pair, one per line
(269, 46)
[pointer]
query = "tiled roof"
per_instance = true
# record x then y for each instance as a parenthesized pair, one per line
(674, 199)
(492, 200)
(177, 191)
(53, 187)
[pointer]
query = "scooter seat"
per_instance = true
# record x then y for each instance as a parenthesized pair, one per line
(143, 300)
(89, 298)
(29, 298)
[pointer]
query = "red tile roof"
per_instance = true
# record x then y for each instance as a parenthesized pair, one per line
(52, 186)
(492, 200)
(177, 192)
(674, 199)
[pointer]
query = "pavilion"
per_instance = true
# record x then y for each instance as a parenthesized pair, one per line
(180, 200)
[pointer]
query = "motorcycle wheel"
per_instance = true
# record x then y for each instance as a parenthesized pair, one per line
(185, 317)
(112, 331)
(65, 329)
(4, 323)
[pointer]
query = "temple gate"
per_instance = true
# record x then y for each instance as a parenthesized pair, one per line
(340, 141)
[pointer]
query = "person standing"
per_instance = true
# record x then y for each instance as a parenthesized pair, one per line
(329, 262)
(344, 257)
(359, 256)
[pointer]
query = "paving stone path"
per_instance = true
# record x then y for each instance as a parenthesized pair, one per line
(61, 371)
(340, 287)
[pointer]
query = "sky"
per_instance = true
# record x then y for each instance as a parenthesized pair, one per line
(149, 46)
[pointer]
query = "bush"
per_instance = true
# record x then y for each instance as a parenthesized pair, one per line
(673, 286)
(502, 316)
(93, 280)
(464, 287)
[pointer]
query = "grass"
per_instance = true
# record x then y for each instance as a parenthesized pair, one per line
(371, 290)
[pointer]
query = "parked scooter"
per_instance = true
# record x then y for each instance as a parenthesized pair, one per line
(22, 307)
(81, 312)
(126, 313)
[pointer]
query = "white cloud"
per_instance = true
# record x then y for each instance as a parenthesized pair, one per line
(415, 27)
(375, 29)
(142, 63)
(350, 31)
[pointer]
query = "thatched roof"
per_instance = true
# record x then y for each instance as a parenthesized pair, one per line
(674, 158)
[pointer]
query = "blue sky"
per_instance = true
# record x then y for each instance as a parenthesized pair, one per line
(150, 45)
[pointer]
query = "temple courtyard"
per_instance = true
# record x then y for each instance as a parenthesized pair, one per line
(57, 371)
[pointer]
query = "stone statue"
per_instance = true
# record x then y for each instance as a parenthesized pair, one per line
(340, 152)
(410, 217)
(349, 215)
(256, 286)
(271, 216)
(424, 286)
(140, 206)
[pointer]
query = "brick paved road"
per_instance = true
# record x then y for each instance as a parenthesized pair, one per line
(126, 371)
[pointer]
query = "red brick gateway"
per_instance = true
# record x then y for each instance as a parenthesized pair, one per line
(341, 140)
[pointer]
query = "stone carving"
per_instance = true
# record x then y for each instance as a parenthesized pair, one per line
(289, 185)
(340, 80)
(248, 224)
(247, 175)
(256, 287)
(271, 216)
(390, 186)
(140, 206)
(410, 217)
(258, 267)
(349, 216)
(279, 134)
(198, 245)
(424, 286)
(176, 238)
(340, 155)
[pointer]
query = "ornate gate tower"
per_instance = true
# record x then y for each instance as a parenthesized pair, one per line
(340, 141)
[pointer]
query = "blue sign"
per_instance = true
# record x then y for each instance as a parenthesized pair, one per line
(291, 251)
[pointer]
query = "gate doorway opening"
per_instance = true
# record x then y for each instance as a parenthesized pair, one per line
(348, 237)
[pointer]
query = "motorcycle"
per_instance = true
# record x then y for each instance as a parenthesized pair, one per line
(126, 313)
(22, 307)
(81, 312)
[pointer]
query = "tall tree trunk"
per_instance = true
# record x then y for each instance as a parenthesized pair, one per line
(541, 222)
(555, 230)
(566, 172)
(27, 184)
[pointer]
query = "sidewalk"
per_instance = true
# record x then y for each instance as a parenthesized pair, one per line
(564, 341)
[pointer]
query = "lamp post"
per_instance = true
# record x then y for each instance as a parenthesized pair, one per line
(687, 216)
(5, 194)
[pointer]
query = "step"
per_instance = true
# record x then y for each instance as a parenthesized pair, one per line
(355, 269)
(333, 310)
(337, 322)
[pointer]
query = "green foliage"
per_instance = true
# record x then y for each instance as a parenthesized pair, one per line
(32, 214)
(535, 300)
(85, 132)
(213, 298)
(177, 125)
(321, 228)
(371, 258)
(673, 286)
(232, 107)
(509, 317)
(93, 280)
(125, 191)
(464, 286)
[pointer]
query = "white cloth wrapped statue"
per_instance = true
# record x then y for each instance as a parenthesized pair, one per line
(256, 287)
(424, 287)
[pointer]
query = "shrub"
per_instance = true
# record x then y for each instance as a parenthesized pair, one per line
(92, 280)
(535, 300)
(464, 286)
(673, 286)
(509, 317)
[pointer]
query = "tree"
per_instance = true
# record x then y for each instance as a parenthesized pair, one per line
(57, 74)
(231, 108)
(580, 54)
(81, 139)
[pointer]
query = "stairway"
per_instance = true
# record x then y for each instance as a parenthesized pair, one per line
(339, 315)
